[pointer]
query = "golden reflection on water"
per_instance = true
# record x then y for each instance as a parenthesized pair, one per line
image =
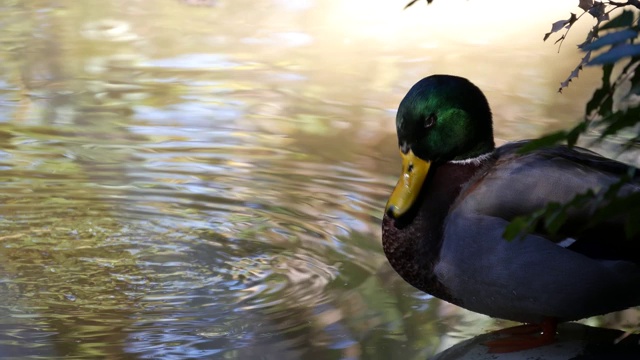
(207, 181)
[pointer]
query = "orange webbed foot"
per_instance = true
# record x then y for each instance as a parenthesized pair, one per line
(524, 337)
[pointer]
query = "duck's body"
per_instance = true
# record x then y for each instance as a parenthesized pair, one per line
(445, 234)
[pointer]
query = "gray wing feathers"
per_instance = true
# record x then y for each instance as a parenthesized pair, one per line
(520, 184)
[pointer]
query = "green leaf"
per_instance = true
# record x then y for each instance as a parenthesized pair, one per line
(620, 120)
(574, 134)
(632, 143)
(602, 97)
(518, 227)
(555, 216)
(617, 206)
(544, 141)
(611, 39)
(616, 53)
(635, 78)
(623, 20)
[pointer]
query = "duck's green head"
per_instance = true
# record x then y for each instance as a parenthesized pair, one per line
(442, 118)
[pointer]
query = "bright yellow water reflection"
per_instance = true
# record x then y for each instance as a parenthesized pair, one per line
(184, 181)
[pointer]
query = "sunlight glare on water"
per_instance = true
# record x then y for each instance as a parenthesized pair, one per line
(185, 179)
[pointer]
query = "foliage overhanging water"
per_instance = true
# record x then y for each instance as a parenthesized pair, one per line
(184, 181)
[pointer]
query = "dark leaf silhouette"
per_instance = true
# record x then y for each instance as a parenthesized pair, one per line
(590, 36)
(544, 141)
(623, 20)
(617, 206)
(553, 216)
(601, 98)
(585, 4)
(611, 39)
(617, 49)
(616, 53)
(560, 24)
(632, 225)
(598, 11)
(620, 120)
(574, 134)
(415, 1)
(574, 74)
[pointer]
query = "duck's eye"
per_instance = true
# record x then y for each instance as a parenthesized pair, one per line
(430, 120)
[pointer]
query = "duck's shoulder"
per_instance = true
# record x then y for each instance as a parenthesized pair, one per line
(514, 182)
(558, 157)
(518, 184)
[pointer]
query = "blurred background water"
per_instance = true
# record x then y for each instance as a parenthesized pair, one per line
(206, 179)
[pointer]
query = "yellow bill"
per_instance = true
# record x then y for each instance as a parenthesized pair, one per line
(414, 171)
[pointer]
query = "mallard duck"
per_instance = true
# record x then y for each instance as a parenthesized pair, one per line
(444, 222)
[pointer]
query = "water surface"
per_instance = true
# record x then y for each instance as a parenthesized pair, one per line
(206, 179)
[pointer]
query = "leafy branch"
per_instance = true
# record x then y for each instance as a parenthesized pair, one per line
(600, 11)
(605, 206)
(613, 110)
(415, 1)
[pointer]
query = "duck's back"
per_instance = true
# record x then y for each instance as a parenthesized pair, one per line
(578, 273)
(520, 184)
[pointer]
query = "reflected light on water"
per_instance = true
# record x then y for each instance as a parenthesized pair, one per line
(475, 22)
(208, 181)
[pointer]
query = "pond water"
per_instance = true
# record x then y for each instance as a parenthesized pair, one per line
(206, 179)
